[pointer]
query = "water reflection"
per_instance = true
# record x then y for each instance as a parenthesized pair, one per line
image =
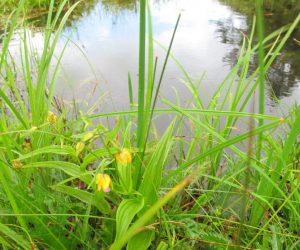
(117, 6)
(113, 47)
(104, 48)
(284, 74)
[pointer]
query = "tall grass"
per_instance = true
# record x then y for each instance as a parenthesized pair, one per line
(198, 186)
(261, 55)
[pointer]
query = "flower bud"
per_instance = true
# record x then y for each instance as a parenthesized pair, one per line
(124, 157)
(79, 147)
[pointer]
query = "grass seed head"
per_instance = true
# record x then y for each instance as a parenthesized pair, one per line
(51, 117)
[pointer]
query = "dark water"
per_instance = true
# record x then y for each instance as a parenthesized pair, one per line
(104, 48)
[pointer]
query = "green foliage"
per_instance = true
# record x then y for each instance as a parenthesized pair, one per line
(218, 176)
(125, 214)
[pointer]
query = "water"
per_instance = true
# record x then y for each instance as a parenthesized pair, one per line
(104, 49)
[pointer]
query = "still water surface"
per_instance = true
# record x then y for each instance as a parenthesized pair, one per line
(104, 48)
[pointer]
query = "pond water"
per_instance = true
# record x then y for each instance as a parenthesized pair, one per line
(104, 48)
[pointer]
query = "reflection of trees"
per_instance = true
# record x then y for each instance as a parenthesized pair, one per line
(284, 73)
(36, 15)
(39, 19)
(229, 33)
(117, 6)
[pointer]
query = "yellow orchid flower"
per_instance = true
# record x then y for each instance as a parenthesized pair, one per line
(124, 157)
(103, 182)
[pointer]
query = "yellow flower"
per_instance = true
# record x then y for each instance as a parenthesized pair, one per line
(51, 118)
(103, 182)
(17, 163)
(124, 157)
(79, 147)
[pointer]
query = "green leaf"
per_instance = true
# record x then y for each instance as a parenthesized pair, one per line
(150, 213)
(276, 241)
(154, 169)
(97, 154)
(125, 176)
(90, 198)
(162, 246)
(3, 243)
(68, 167)
(5, 230)
(55, 149)
(264, 188)
(217, 241)
(125, 214)
(141, 241)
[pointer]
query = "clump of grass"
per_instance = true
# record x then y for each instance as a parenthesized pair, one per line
(77, 184)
